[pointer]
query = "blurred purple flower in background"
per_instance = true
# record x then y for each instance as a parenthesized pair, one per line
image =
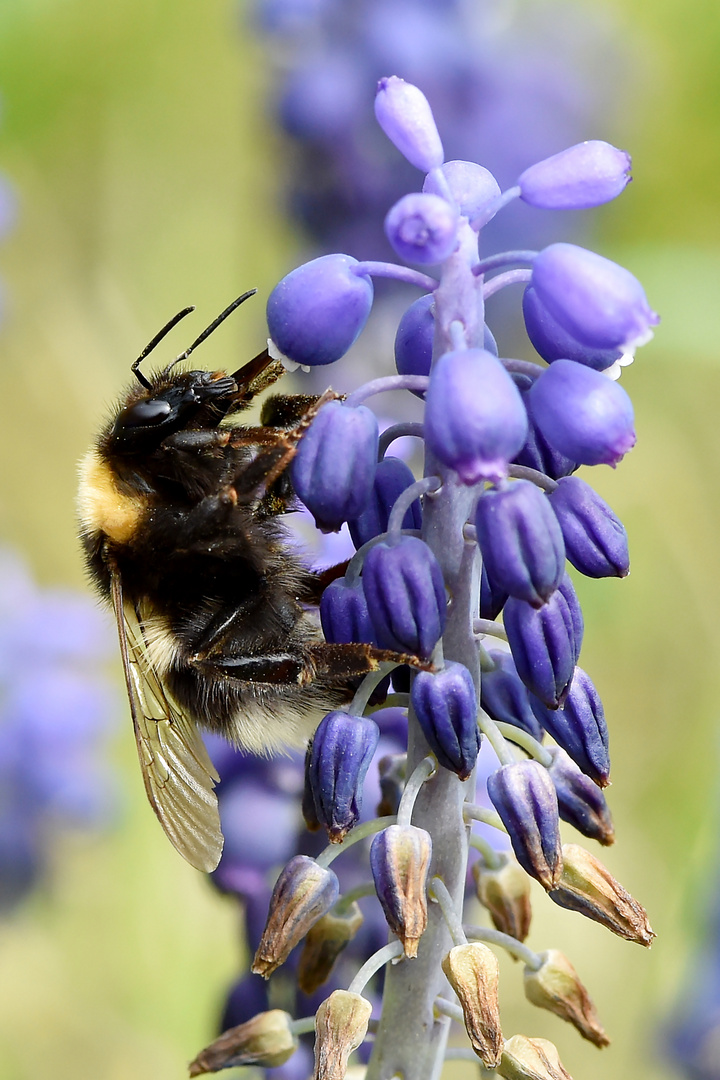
(508, 86)
(56, 713)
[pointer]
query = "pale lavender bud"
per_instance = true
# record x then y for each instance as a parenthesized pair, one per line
(445, 704)
(472, 186)
(537, 453)
(404, 114)
(597, 301)
(318, 310)
(422, 228)
(579, 727)
(521, 541)
(340, 756)
(406, 598)
(585, 175)
(595, 539)
(524, 796)
(583, 414)
(334, 467)
(475, 420)
(392, 477)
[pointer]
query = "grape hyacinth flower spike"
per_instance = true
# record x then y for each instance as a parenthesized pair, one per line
(481, 536)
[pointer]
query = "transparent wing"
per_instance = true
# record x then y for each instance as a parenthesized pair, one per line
(178, 774)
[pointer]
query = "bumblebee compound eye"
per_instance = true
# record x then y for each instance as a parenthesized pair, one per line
(144, 414)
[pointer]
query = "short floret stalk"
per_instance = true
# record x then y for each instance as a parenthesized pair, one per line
(411, 1038)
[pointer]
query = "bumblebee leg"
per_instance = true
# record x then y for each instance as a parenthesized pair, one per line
(269, 464)
(335, 663)
(282, 670)
(286, 410)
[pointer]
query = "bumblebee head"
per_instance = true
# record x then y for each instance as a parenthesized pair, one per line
(171, 405)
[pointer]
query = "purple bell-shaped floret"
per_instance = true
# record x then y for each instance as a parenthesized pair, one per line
(524, 796)
(334, 467)
(553, 342)
(581, 802)
(475, 420)
(318, 310)
(392, 477)
(579, 727)
(595, 539)
(340, 756)
(406, 598)
(583, 414)
(504, 696)
(543, 645)
(414, 339)
(344, 614)
(597, 301)
(521, 541)
(445, 704)
(578, 178)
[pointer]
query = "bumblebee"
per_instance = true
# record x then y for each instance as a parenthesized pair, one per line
(179, 522)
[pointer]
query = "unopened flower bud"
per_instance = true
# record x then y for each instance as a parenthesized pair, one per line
(585, 175)
(583, 414)
(399, 859)
(471, 185)
(392, 477)
(324, 943)
(567, 591)
(422, 228)
(531, 1059)
(588, 887)
(340, 756)
(580, 801)
(406, 598)
(595, 539)
(266, 1040)
(543, 646)
(303, 893)
(404, 114)
(504, 696)
(341, 1024)
(553, 342)
(472, 970)
(537, 452)
(475, 420)
(344, 614)
(319, 309)
(524, 796)
(579, 727)
(521, 541)
(505, 892)
(392, 770)
(599, 302)
(445, 703)
(334, 467)
(556, 986)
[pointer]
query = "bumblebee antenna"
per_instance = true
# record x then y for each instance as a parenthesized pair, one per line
(210, 329)
(156, 341)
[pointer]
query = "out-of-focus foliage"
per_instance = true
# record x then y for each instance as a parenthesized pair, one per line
(136, 139)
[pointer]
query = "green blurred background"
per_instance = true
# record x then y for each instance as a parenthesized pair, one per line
(148, 177)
